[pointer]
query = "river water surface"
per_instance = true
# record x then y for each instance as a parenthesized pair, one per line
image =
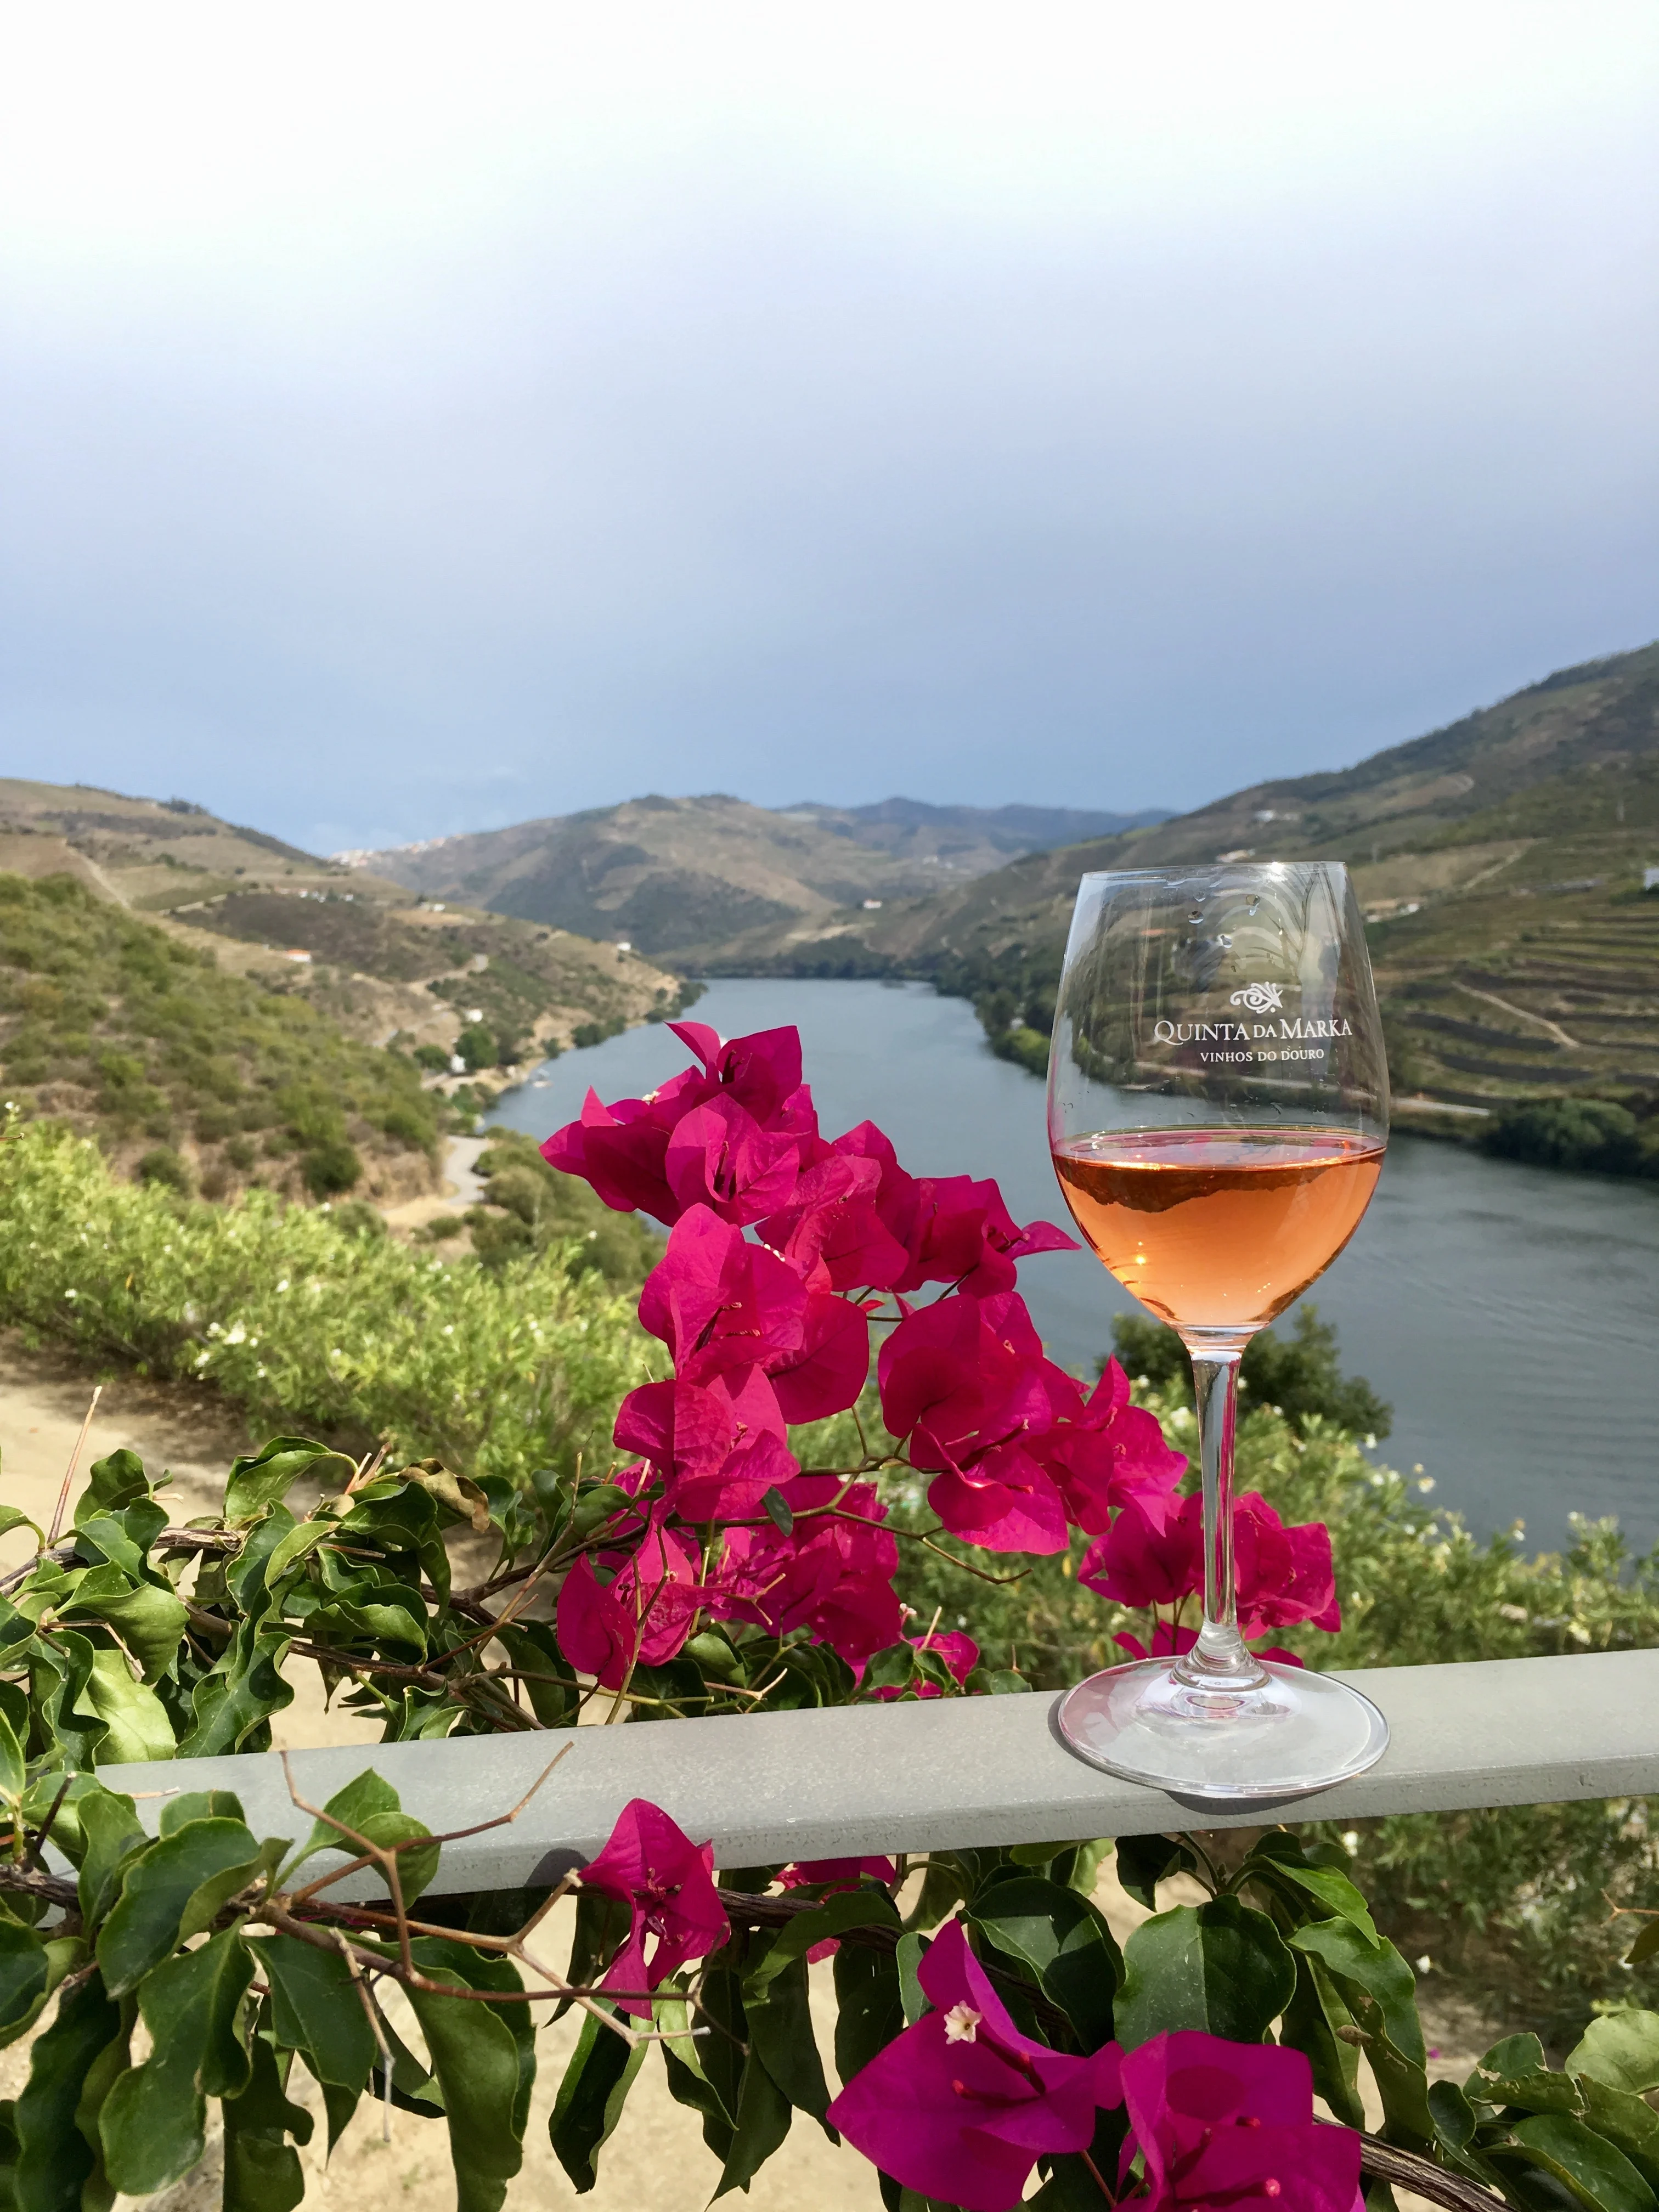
(1511, 1315)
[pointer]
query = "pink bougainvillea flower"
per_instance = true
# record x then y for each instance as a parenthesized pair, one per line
(641, 1616)
(1102, 1451)
(961, 2105)
(718, 1301)
(962, 1233)
(719, 1448)
(1146, 1559)
(719, 1156)
(966, 1381)
(1285, 1574)
(833, 1875)
(666, 1882)
(832, 1575)
(1232, 2123)
(832, 1231)
(1281, 1575)
(621, 1151)
(1170, 1642)
(743, 1161)
(828, 1366)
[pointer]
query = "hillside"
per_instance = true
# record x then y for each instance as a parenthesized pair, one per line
(712, 882)
(373, 958)
(1499, 862)
(189, 1076)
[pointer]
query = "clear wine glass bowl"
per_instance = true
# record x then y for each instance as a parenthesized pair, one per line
(1218, 1114)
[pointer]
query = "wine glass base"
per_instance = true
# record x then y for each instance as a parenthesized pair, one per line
(1301, 1731)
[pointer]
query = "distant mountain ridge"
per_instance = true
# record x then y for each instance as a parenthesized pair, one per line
(1500, 863)
(712, 878)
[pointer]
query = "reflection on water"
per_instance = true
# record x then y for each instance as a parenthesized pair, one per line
(1508, 1314)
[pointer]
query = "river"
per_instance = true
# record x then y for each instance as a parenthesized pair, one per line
(1508, 1314)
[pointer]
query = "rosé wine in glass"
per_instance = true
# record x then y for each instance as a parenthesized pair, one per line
(1217, 1115)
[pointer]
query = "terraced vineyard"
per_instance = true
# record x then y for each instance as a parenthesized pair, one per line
(1565, 999)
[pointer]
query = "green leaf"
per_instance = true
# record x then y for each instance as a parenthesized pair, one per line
(688, 2084)
(153, 2120)
(908, 1955)
(1220, 1967)
(14, 1768)
(601, 1923)
(299, 1541)
(1644, 1946)
(149, 1622)
(1311, 2024)
(1063, 1938)
(589, 2104)
(761, 2123)
(1627, 2121)
(136, 1724)
(265, 1479)
(1143, 1862)
(1597, 2174)
(1380, 1991)
(116, 1480)
(864, 1907)
(111, 1832)
(780, 2016)
(481, 2070)
(199, 1805)
(315, 2010)
(13, 1517)
(232, 1704)
(54, 2156)
(171, 1891)
(1280, 1861)
(1513, 2072)
(1455, 2121)
(262, 2168)
(22, 1978)
(372, 1808)
(869, 2010)
(1621, 2049)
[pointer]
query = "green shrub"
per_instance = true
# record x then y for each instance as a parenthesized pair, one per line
(240, 1154)
(544, 1208)
(165, 1166)
(475, 1045)
(357, 1217)
(330, 1167)
(213, 1123)
(1591, 1133)
(432, 1057)
(309, 1328)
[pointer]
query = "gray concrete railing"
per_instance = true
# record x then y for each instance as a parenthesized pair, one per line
(947, 1773)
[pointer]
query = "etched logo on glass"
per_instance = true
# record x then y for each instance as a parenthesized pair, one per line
(1260, 998)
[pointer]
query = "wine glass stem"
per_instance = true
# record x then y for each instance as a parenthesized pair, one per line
(1220, 1661)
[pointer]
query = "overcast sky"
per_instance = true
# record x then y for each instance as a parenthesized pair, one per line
(418, 417)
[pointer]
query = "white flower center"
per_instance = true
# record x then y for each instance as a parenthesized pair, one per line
(960, 2023)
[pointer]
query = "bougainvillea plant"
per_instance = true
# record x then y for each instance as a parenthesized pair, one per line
(992, 2043)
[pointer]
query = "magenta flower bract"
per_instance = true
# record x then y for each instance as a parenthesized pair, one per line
(962, 2105)
(1104, 1451)
(718, 1301)
(666, 1882)
(1233, 2125)
(960, 1653)
(642, 1615)
(1282, 1574)
(833, 1574)
(719, 1448)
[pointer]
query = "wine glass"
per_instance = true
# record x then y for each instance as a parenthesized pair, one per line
(1218, 1113)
